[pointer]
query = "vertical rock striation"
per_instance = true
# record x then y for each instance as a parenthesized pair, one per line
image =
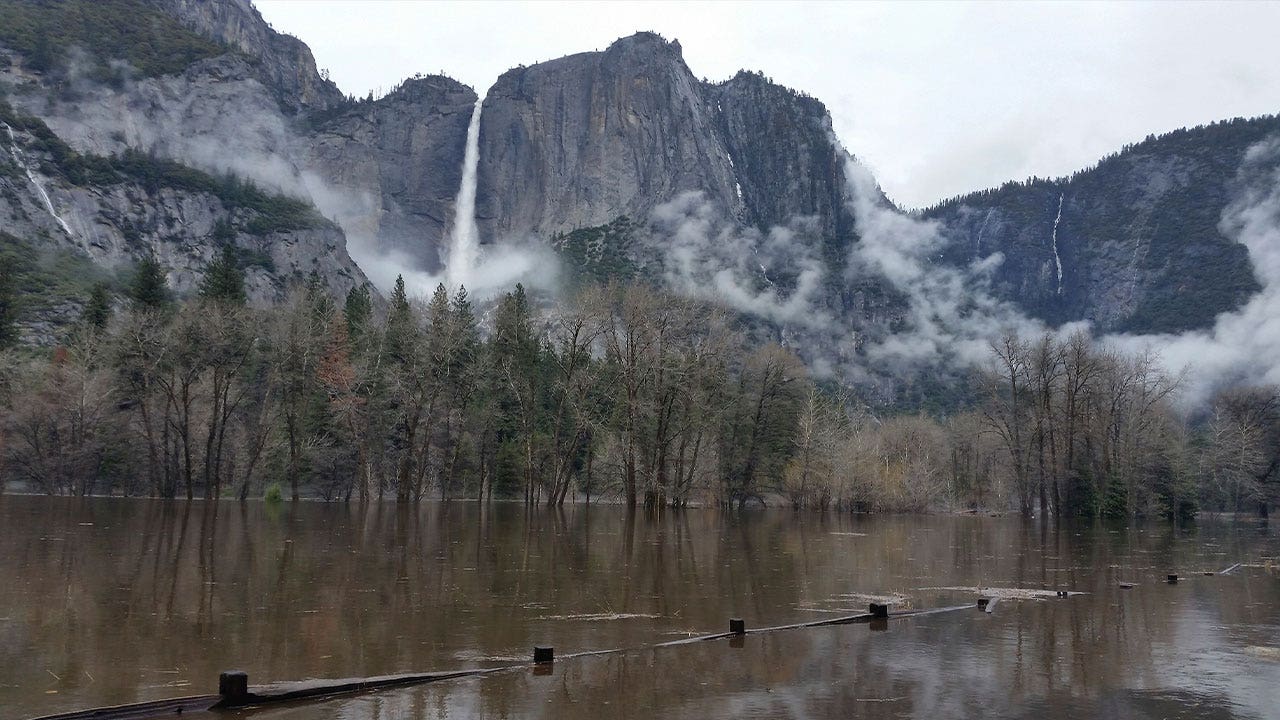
(581, 140)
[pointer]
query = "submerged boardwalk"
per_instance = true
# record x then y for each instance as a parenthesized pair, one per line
(236, 693)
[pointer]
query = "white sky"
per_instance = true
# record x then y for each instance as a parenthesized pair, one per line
(939, 99)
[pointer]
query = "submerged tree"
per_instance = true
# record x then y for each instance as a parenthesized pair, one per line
(623, 391)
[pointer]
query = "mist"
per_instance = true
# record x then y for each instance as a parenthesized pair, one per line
(951, 312)
(707, 256)
(777, 275)
(237, 127)
(1243, 346)
(953, 315)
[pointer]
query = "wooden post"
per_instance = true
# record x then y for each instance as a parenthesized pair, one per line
(737, 626)
(1173, 579)
(1062, 593)
(879, 611)
(233, 686)
(543, 654)
(982, 603)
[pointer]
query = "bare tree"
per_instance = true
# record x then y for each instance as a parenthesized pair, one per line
(1008, 404)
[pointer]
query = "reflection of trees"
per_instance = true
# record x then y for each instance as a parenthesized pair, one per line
(317, 590)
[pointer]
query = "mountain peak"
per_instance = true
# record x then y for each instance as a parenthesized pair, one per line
(287, 64)
(646, 39)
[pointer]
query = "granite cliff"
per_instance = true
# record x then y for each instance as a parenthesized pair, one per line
(621, 161)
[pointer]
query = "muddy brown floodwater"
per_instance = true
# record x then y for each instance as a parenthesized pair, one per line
(108, 601)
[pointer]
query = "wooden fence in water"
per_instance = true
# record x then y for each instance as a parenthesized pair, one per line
(234, 690)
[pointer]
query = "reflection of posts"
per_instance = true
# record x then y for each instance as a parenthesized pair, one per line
(880, 624)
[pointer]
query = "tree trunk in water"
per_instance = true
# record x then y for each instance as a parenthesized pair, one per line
(292, 429)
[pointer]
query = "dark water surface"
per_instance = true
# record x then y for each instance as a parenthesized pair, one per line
(110, 601)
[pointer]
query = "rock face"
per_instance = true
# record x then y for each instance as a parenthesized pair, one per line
(579, 141)
(385, 170)
(284, 63)
(397, 163)
(1138, 239)
(184, 117)
(622, 160)
(785, 160)
(117, 224)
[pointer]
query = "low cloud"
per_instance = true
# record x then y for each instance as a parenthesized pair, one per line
(774, 275)
(1243, 346)
(951, 313)
(237, 127)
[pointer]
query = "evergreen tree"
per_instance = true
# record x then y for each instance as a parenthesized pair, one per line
(440, 339)
(514, 340)
(401, 330)
(149, 289)
(224, 279)
(514, 388)
(97, 312)
(358, 311)
(8, 303)
(464, 332)
(438, 310)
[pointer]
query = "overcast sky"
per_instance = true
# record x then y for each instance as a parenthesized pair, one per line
(939, 99)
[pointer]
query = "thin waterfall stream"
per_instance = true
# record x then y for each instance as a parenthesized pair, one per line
(1057, 259)
(20, 159)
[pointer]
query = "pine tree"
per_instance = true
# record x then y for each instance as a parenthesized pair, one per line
(514, 387)
(401, 331)
(358, 311)
(97, 311)
(513, 331)
(224, 279)
(149, 289)
(8, 303)
(465, 332)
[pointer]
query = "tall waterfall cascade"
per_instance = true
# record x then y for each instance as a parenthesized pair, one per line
(21, 162)
(464, 239)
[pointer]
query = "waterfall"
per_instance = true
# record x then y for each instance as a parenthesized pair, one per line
(977, 244)
(1057, 259)
(18, 158)
(464, 240)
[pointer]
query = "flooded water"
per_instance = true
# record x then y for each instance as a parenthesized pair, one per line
(111, 601)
